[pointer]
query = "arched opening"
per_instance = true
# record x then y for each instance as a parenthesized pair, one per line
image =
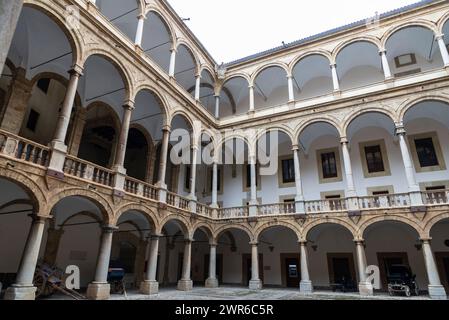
(207, 91)
(332, 257)
(393, 243)
(235, 250)
(280, 250)
(234, 97)
(312, 77)
(185, 68)
(201, 256)
(205, 171)
(359, 64)
(270, 87)
(157, 40)
(321, 165)
(121, 13)
(137, 155)
(440, 246)
(412, 50)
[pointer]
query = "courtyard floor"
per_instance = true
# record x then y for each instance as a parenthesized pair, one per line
(240, 293)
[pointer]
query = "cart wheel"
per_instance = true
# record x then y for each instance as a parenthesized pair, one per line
(390, 292)
(408, 292)
(43, 289)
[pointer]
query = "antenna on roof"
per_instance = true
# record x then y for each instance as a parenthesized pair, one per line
(185, 19)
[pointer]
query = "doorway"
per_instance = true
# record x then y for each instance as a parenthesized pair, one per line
(290, 270)
(443, 268)
(386, 260)
(342, 270)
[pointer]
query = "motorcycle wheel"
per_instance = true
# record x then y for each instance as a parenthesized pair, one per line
(408, 293)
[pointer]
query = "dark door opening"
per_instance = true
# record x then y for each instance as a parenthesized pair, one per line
(292, 272)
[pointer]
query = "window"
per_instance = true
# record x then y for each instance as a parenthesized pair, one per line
(32, 120)
(288, 171)
(329, 165)
(43, 84)
(427, 155)
(289, 201)
(374, 161)
(405, 60)
(381, 193)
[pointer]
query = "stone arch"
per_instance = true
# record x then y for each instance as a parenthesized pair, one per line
(341, 46)
(205, 67)
(82, 213)
(182, 42)
(267, 66)
(221, 230)
(73, 37)
(303, 126)
(413, 223)
(409, 104)
(170, 30)
(338, 221)
(124, 72)
(442, 21)
(146, 211)
(182, 222)
(353, 116)
(205, 227)
(272, 224)
(111, 111)
(34, 191)
(417, 23)
(428, 226)
(102, 203)
(233, 76)
(179, 112)
(276, 127)
(323, 53)
(234, 135)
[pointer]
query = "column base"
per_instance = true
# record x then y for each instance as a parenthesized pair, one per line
(211, 283)
(185, 285)
(366, 289)
(149, 287)
(98, 291)
(255, 285)
(437, 292)
(20, 293)
(305, 287)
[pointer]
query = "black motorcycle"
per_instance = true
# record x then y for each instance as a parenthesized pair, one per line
(402, 280)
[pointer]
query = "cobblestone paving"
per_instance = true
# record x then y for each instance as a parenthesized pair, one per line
(235, 293)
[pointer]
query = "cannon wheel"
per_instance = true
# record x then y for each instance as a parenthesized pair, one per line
(44, 289)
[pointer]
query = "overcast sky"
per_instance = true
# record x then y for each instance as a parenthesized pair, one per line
(233, 29)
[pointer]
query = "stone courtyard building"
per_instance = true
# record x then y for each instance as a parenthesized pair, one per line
(92, 93)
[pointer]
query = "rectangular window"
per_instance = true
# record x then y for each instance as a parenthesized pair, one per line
(427, 155)
(288, 171)
(329, 165)
(32, 120)
(289, 200)
(374, 161)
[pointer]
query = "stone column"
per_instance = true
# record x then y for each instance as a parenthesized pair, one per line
(163, 163)
(9, 16)
(436, 290)
(335, 79)
(413, 187)
(385, 65)
(251, 98)
(186, 284)
(120, 171)
(59, 148)
(214, 185)
(150, 285)
(212, 281)
(100, 289)
(217, 107)
(291, 92)
(23, 288)
(365, 287)
(253, 201)
(305, 286)
(197, 87)
(139, 31)
(443, 49)
(299, 200)
(171, 70)
(255, 283)
(352, 194)
(16, 102)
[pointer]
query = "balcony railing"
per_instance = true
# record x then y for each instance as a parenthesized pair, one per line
(204, 210)
(88, 171)
(276, 209)
(322, 206)
(399, 200)
(22, 149)
(230, 213)
(140, 188)
(177, 201)
(437, 197)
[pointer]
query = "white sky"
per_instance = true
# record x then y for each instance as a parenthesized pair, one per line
(233, 29)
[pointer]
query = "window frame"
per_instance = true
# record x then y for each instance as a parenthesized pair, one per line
(281, 182)
(438, 151)
(384, 154)
(339, 177)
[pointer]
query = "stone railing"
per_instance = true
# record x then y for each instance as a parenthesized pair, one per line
(436, 197)
(204, 210)
(177, 201)
(140, 188)
(88, 171)
(384, 201)
(276, 209)
(236, 212)
(322, 206)
(22, 149)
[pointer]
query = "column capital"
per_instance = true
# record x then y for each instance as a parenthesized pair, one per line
(382, 51)
(213, 243)
(39, 219)
(254, 243)
(188, 240)
(344, 140)
(129, 104)
(76, 70)
(141, 16)
(295, 147)
(109, 228)
(359, 241)
(155, 236)
(251, 86)
(425, 240)
(333, 65)
(400, 130)
(166, 128)
(439, 36)
(302, 242)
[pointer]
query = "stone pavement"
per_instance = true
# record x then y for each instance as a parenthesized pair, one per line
(240, 293)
